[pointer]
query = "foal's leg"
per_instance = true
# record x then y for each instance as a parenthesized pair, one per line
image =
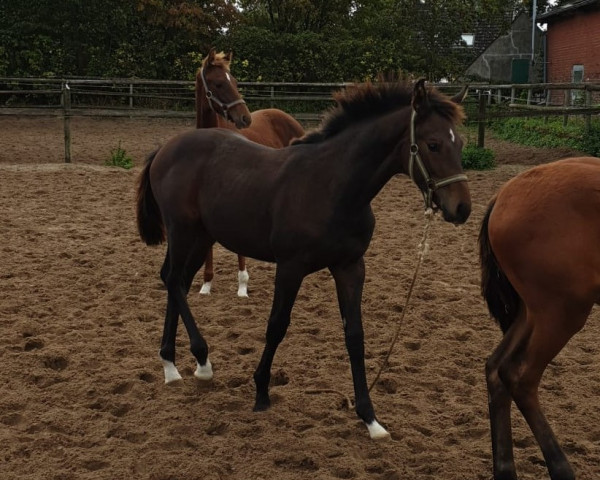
(167, 346)
(349, 280)
(243, 277)
(193, 264)
(186, 253)
(523, 371)
(287, 283)
(209, 273)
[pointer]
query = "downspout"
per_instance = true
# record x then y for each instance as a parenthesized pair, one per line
(533, 17)
(545, 47)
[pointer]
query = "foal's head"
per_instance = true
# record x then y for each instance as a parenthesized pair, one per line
(422, 122)
(220, 89)
(435, 160)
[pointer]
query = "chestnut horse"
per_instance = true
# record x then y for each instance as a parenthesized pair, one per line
(217, 97)
(540, 263)
(305, 207)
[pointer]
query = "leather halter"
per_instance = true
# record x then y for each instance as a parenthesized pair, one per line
(211, 98)
(432, 184)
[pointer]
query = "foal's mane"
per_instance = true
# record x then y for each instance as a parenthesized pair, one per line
(359, 102)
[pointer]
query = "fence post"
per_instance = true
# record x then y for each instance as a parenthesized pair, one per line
(588, 103)
(481, 121)
(131, 95)
(566, 103)
(272, 97)
(66, 101)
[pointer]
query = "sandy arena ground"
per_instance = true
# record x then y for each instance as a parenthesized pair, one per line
(81, 308)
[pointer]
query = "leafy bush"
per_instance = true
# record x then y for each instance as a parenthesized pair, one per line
(119, 158)
(537, 132)
(475, 158)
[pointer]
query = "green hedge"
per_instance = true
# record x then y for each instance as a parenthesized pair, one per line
(537, 132)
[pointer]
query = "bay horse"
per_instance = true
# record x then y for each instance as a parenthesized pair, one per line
(540, 276)
(305, 207)
(219, 104)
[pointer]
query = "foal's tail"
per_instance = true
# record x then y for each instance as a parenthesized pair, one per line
(502, 299)
(149, 219)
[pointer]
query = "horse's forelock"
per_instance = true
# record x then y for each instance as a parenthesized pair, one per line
(220, 60)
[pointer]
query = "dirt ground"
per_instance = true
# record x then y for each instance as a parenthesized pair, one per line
(81, 308)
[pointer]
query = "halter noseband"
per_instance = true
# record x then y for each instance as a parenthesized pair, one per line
(432, 185)
(211, 98)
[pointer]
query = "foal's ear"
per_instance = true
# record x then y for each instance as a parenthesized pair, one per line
(228, 57)
(460, 96)
(420, 99)
(211, 56)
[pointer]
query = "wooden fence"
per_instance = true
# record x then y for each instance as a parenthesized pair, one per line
(69, 97)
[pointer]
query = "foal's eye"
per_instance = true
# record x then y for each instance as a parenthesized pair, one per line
(433, 147)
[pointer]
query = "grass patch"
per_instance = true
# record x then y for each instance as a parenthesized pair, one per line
(475, 158)
(536, 132)
(119, 158)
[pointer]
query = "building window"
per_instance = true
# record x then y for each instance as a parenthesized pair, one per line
(468, 38)
(577, 96)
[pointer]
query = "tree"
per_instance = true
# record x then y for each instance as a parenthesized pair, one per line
(146, 38)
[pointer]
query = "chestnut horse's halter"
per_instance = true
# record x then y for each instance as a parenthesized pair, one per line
(212, 99)
(432, 185)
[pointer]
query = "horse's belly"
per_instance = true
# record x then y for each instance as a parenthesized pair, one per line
(242, 234)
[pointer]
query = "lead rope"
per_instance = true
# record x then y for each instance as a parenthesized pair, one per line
(423, 248)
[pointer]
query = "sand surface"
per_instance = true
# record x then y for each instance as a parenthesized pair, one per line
(81, 309)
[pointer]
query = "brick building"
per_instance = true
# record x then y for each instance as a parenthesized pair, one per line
(573, 42)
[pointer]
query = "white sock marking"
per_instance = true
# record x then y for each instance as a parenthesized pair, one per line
(204, 372)
(376, 431)
(243, 278)
(205, 290)
(171, 372)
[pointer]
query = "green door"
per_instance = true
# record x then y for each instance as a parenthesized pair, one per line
(520, 70)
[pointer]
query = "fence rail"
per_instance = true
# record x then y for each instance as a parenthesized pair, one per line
(139, 98)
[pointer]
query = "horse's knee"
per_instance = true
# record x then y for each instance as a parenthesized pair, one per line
(491, 375)
(519, 382)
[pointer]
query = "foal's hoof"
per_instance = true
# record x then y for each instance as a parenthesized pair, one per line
(205, 289)
(377, 432)
(171, 373)
(204, 372)
(262, 405)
